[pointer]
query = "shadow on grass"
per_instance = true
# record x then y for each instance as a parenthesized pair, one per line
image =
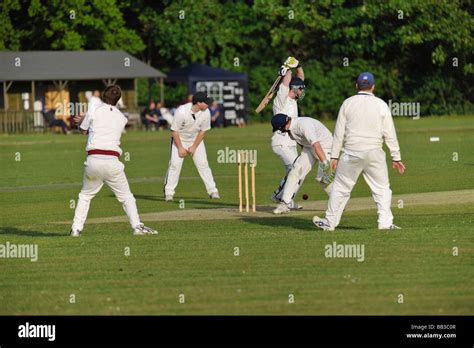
(351, 228)
(203, 201)
(302, 224)
(28, 233)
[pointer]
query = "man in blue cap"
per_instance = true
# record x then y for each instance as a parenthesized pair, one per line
(363, 124)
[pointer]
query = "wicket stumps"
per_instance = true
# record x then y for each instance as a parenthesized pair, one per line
(243, 158)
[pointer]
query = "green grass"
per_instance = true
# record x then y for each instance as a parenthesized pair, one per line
(278, 255)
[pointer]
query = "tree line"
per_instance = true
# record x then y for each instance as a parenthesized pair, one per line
(419, 50)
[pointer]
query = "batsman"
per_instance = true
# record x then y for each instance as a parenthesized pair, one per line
(291, 90)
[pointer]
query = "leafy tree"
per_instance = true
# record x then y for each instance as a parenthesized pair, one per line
(419, 50)
(9, 35)
(73, 25)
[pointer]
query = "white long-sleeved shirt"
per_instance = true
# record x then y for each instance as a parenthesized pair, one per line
(307, 131)
(363, 123)
(283, 104)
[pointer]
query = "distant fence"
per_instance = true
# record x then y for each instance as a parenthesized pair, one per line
(20, 122)
(28, 121)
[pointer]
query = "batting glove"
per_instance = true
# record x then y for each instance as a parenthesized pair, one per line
(291, 62)
(283, 70)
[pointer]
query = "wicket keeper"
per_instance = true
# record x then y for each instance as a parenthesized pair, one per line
(316, 142)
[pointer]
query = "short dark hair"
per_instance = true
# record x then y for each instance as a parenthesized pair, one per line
(112, 95)
(364, 87)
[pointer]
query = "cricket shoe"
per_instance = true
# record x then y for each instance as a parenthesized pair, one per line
(282, 208)
(75, 233)
(391, 227)
(214, 195)
(322, 224)
(142, 230)
(295, 206)
(168, 198)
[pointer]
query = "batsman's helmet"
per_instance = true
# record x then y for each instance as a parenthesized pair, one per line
(298, 84)
(279, 122)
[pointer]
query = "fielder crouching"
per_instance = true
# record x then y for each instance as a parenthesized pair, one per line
(191, 122)
(316, 142)
(105, 125)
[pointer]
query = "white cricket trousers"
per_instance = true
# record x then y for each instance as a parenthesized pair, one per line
(287, 155)
(100, 169)
(373, 166)
(300, 168)
(201, 163)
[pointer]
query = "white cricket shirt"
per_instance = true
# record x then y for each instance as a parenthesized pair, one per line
(105, 125)
(307, 131)
(283, 104)
(189, 124)
(363, 123)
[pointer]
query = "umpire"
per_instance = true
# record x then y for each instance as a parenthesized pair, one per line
(363, 123)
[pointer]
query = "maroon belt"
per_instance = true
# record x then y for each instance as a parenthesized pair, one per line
(103, 152)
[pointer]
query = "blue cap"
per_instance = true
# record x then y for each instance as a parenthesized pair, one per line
(365, 79)
(279, 121)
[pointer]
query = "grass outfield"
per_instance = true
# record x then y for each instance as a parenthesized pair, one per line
(279, 256)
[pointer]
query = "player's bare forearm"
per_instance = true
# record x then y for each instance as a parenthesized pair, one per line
(176, 139)
(319, 152)
(199, 138)
(300, 73)
(287, 78)
(182, 152)
(78, 119)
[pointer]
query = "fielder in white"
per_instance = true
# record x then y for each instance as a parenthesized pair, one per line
(291, 90)
(316, 142)
(363, 123)
(190, 123)
(104, 124)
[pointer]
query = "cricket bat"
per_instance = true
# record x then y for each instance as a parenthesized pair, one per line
(269, 95)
